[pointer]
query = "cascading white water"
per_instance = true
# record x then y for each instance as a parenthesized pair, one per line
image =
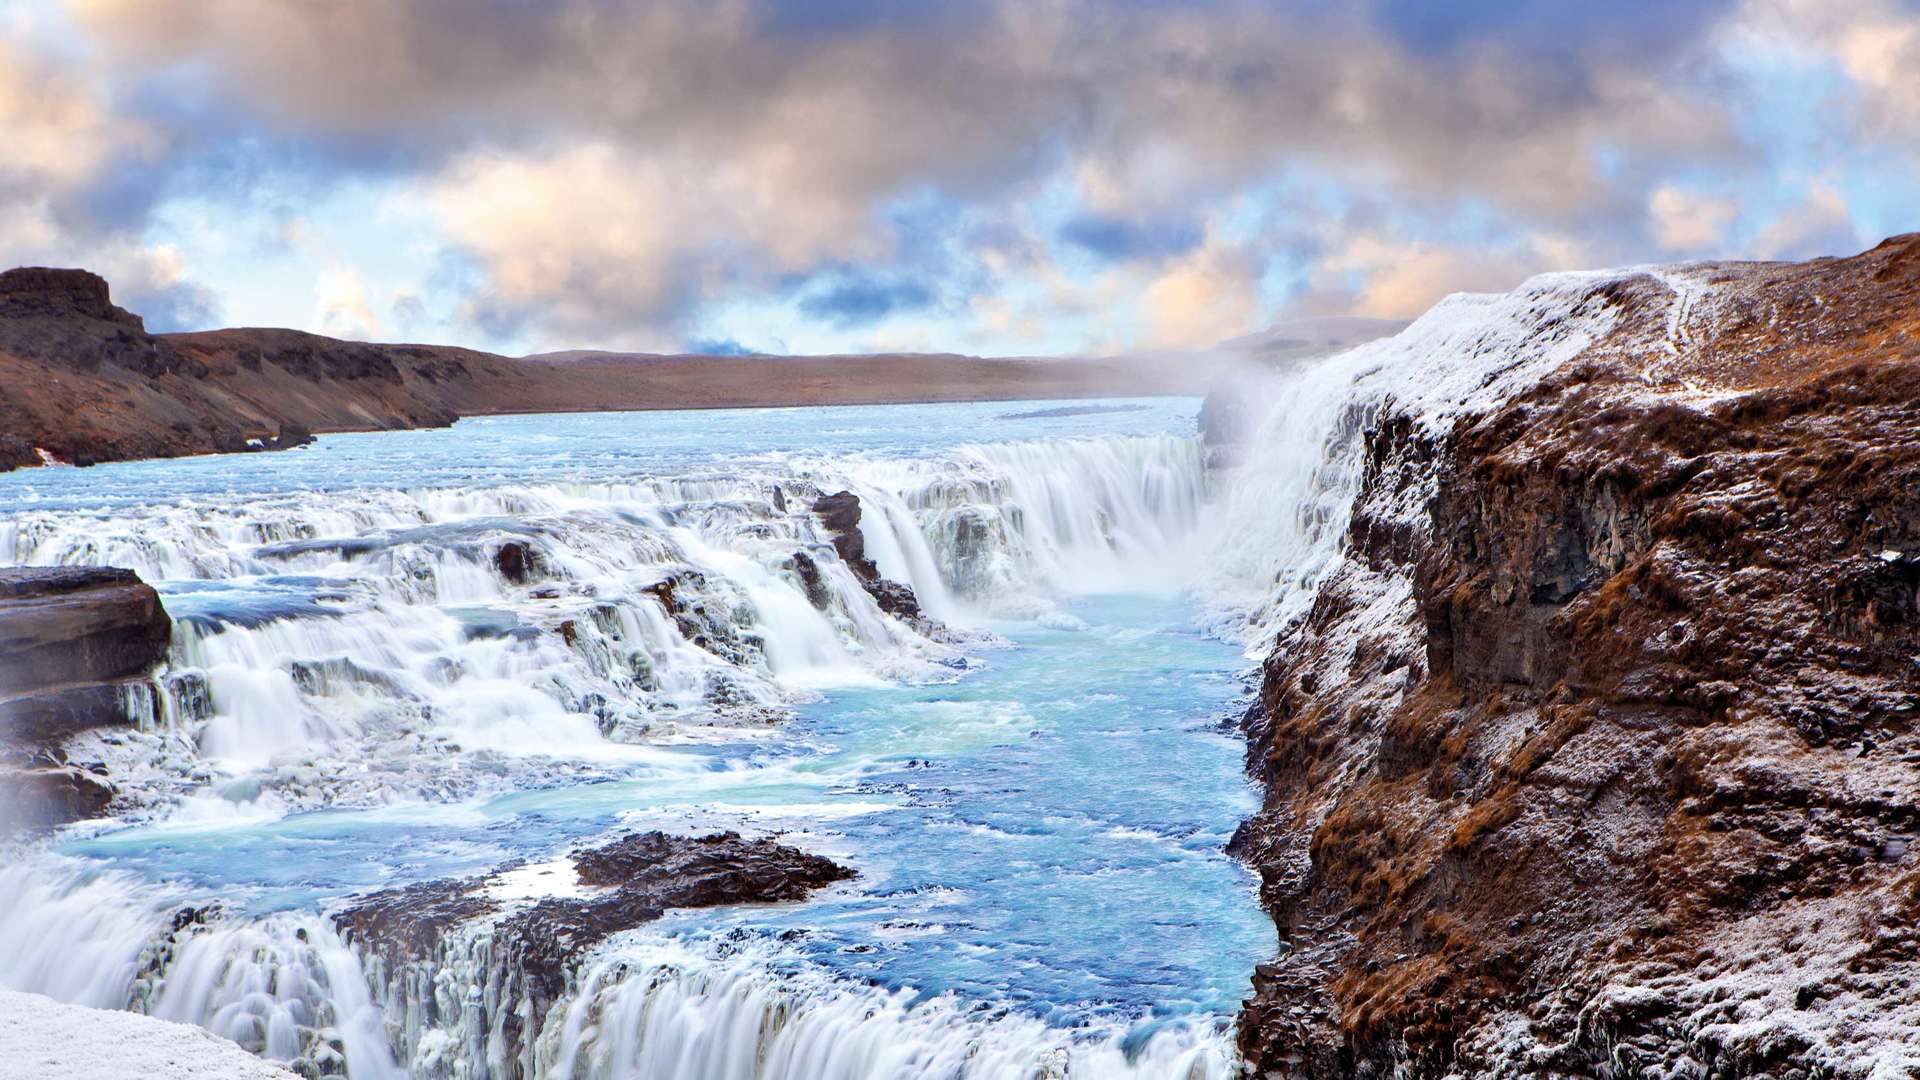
(999, 520)
(1280, 529)
(351, 647)
(284, 987)
(573, 620)
(668, 1012)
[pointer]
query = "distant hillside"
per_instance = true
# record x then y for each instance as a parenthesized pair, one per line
(575, 381)
(82, 381)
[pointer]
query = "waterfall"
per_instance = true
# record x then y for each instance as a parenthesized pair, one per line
(997, 521)
(582, 620)
(668, 1012)
(378, 645)
(1280, 529)
(284, 986)
(385, 645)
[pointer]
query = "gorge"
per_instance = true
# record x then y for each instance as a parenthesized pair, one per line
(1586, 620)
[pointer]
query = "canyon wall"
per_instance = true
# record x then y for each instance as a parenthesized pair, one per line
(85, 382)
(82, 381)
(1596, 752)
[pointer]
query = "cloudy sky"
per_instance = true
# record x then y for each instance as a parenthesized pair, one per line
(1019, 177)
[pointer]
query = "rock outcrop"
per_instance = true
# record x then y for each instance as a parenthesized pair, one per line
(1600, 755)
(76, 647)
(85, 382)
(839, 513)
(531, 949)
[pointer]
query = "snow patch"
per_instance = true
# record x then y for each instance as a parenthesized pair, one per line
(42, 1037)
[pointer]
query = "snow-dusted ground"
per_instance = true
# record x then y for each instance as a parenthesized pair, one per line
(40, 1037)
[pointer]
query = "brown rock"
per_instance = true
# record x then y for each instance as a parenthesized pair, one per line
(66, 625)
(45, 797)
(76, 644)
(87, 383)
(1648, 724)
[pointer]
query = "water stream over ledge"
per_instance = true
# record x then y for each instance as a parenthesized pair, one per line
(365, 694)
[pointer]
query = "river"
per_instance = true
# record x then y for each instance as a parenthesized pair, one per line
(365, 692)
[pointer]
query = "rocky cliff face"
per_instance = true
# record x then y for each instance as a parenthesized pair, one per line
(85, 382)
(76, 646)
(840, 514)
(1597, 754)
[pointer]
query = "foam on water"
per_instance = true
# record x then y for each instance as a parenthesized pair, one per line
(454, 632)
(371, 646)
(996, 865)
(1279, 530)
(325, 634)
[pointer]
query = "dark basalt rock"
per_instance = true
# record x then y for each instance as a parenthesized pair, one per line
(811, 579)
(406, 923)
(520, 562)
(647, 873)
(714, 629)
(535, 948)
(840, 514)
(720, 868)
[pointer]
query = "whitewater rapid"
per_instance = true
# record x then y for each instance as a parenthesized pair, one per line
(458, 664)
(380, 625)
(377, 649)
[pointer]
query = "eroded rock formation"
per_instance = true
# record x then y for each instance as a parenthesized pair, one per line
(527, 954)
(86, 382)
(76, 647)
(1603, 759)
(840, 514)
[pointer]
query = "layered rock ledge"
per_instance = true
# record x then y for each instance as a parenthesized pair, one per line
(77, 645)
(1598, 755)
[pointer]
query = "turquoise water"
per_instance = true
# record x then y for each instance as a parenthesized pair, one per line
(1036, 813)
(576, 447)
(1044, 832)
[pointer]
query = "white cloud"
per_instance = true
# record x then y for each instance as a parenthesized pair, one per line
(594, 240)
(1685, 221)
(56, 128)
(1821, 224)
(1369, 273)
(609, 168)
(341, 305)
(1202, 297)
(1874, 43)
(59, 138)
